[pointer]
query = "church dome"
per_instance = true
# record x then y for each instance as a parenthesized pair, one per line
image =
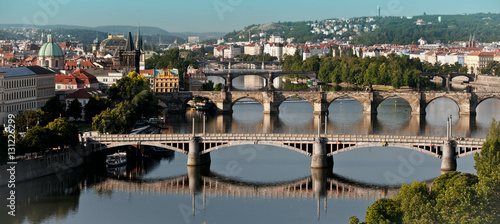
(50, 49)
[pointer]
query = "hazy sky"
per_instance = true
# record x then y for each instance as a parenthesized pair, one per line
(219, 15)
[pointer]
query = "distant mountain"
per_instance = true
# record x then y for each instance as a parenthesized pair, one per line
(203, 36)
(145, 30)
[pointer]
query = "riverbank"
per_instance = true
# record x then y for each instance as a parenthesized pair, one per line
(41, 166)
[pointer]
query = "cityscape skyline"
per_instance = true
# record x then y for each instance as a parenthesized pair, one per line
(220, 15)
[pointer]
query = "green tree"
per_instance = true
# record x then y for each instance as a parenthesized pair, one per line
(37, 139)
(95, 106)
(30, 118)
(492, 68)
(145, 104)
(127, 87)
(416, 203)
(53, 108)
(384, 210)
(116, 120)
(208, 86)
(353, 220)
(64, 133)
(75, 109)
(218, 87)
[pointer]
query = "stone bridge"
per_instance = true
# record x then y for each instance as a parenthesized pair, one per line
(320, 147)
(271, 100)
(448, 77)
(269, 75)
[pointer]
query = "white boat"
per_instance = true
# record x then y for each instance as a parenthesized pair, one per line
(117, 159)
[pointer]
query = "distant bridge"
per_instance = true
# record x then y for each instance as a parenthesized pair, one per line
(271, 100)
(448, 77)
(321, 148)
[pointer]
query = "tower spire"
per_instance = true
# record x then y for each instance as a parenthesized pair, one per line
(129, 46)
(138, 38)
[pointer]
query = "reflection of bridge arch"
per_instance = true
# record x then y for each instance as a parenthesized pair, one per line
(435, 151)
(321, 183)
(177, 147)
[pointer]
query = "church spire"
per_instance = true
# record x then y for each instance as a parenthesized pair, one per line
(129, 46)
(138, 39)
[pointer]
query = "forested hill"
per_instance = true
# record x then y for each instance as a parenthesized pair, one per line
(396, 30)
(383, 30)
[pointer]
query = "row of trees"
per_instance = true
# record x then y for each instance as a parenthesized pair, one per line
(492, 68)
(393, 70)
(131, 99)
(453, 197)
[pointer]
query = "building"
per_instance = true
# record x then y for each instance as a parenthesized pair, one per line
(151, 74)
(106, 78)
(83, 96)
(24, 88)
(51, 55)
(231, 52)
(129, 58)
(194, 78)
(476, 61)
(167, 81)
(274, 49)
(79, 79)
(109, 46)
(193, 39)
(253, 49)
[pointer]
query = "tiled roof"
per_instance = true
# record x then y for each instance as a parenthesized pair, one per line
(482, 54)
(24, 71)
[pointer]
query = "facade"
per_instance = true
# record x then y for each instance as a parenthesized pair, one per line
(105, 78)
(274, 49)
(24, 88)
(51, 54)
(476, 61)
(253, 49)
(194, 78)
(109, 45)
(232, 52)
(83, 96)
(289, 49)
(167, 81)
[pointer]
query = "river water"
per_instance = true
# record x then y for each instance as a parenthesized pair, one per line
(244, 184)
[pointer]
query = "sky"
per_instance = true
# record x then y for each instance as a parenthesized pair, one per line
(219, 15)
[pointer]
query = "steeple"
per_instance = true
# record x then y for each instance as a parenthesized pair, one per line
(138, 39)
(129, 46)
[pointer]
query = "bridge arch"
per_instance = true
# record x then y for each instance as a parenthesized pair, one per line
(155, 144)
(434, 151)
(427, 102)
(239, 98)
(482, 98)
(412, 98)
(307, 151)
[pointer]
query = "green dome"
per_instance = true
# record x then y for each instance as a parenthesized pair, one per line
(50, 49)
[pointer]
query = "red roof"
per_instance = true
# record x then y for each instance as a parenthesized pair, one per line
(86, 93)
(149, 72)
(77, 77)
(482, 54)
(84, 64)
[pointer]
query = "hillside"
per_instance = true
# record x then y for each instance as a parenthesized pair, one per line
(395, 30)
(384, 30)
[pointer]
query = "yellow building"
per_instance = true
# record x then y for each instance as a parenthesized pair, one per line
(475, 61)
(167, 81)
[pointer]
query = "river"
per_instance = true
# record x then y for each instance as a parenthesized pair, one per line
(160, 190)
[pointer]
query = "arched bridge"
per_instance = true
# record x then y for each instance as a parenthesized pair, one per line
(448, 77)
(271, 100)
(321, 148)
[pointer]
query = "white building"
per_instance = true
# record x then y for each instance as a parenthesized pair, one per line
(289, 49)
(24, 88)
(253, 49)
(83, 96)
(193, 39)
(232, 52)
(274, 49)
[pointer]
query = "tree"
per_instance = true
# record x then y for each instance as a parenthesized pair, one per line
(384, 211)
(95, 106)
(492, 68)
(37, 139)
(127, 87)
(64, 133)
(218, 87)
(116, 120)
(145, 104)
(208, 86)
(30, 118)
(53, 108)
(74, 109)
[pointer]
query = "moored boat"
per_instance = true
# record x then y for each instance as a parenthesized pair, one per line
(116, 159)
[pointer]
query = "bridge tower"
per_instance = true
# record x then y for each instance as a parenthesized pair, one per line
(319, 157)
(195, 157)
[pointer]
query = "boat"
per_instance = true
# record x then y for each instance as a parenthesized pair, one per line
(117, 159)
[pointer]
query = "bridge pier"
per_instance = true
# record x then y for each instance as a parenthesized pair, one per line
(195, 157)
(448, 159)
(321, 105)
(319, 157)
